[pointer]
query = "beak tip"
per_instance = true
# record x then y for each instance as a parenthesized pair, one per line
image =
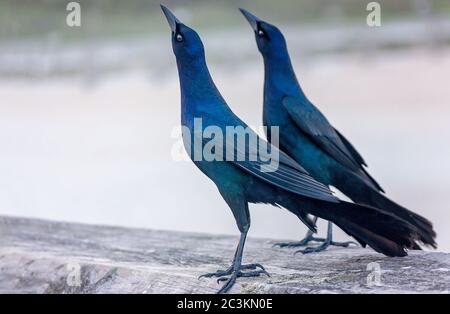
(163, 7)
(244, 12)
(171, 18)
(253, 20)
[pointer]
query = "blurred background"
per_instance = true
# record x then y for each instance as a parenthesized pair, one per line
(87, 113)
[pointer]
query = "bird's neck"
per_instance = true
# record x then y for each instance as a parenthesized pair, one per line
(279, 75)
(196, 85)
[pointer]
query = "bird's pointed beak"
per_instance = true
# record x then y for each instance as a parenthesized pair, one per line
(171, 18)
(253, 20)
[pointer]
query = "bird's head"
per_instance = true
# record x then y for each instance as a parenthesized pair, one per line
(186, 43)
(268, 37)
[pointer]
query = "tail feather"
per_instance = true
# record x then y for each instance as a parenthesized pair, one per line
(374, 182)
(382, 231)
(426, 233)
(377, 242)
(354, 188)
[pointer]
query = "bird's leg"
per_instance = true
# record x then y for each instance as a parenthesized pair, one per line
(236, 268)
(308, 238)
(239, 207)
(328, 241)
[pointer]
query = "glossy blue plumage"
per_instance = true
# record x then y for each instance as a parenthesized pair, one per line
(244, 181)
(309, 138)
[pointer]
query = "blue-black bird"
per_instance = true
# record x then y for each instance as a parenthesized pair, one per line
(241, 181)
(309, 138)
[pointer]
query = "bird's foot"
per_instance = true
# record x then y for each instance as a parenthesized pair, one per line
(303, 242)
(234, 273)
(229, 271)
(324, 246)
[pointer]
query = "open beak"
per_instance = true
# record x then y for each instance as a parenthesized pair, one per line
(253, 20)
(171, 19)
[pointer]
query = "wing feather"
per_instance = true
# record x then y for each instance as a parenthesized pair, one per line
(277, 169)
(311, 121)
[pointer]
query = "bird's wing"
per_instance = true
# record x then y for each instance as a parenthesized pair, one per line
(355, 154)
(276, 168)
(311, 121)
(282, 174)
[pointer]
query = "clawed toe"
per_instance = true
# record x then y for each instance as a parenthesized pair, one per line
(294, 244)
(229, 281)
(230, 275)
(344, 244)
(221, 273)
(324, 246)
(252, 266)
(311, 250)
(218, 273)
(255, 273)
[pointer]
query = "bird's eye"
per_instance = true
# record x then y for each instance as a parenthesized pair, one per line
(179, 37)
(260, 33)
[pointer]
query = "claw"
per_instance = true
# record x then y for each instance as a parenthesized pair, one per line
(236, 273)
(253, 273)
(344, 244)
(326, 242)
(324, 246)
(303, 242)
(228, 284)
(218, 273)
(230, 281)
(229, 271)
(253, 266)
(207, 275)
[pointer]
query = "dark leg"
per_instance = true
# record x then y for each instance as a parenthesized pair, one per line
(329, 241)
(236, 269)
(229, 270)
(240, 211)
(308, 238)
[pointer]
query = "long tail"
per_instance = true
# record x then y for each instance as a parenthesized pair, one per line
(353, 187)
(382, 231)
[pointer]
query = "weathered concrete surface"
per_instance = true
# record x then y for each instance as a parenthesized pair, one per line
(44, 257)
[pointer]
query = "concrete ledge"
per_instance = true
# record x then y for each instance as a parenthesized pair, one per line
(51, 257)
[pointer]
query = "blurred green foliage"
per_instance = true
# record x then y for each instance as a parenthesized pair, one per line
(20, 19)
